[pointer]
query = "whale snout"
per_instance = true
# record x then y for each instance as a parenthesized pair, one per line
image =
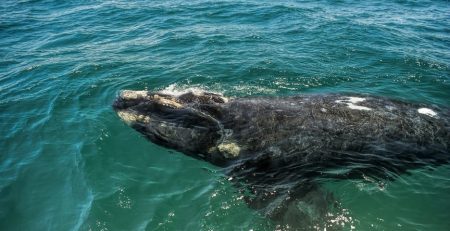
(174, 121)
(127, 99)
(119, 104)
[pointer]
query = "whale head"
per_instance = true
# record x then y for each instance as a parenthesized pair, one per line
(186, 122)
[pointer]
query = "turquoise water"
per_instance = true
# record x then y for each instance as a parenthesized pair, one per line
(68, 163)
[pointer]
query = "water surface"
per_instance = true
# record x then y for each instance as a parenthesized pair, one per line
(68, 163)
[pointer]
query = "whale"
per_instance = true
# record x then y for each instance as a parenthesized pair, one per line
(276, 149)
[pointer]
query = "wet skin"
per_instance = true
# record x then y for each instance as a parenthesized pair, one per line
(276, 147)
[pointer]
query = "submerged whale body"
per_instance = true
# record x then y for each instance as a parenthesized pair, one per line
(276, 148)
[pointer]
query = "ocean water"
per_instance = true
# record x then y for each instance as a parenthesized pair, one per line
(67, 162)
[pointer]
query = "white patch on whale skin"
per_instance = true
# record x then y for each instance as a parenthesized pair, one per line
(355, 99)
(427, 111)
(129, 94)
(167, 102)
(129, 117)
(352, 101)
(356, 107)
(225, 99)
(230, 150)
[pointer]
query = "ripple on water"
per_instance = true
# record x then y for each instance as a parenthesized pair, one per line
(67, 162)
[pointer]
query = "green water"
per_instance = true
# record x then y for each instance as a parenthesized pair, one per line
(68, 163)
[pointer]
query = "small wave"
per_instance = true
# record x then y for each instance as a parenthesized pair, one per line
(232, 89)
(175, 89)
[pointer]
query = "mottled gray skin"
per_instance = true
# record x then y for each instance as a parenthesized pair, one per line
(320, 128)
(276, 147)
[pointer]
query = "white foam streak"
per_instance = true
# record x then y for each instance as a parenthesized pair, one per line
(175, 90)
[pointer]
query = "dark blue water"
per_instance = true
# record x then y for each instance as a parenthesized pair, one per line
(68, 163)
